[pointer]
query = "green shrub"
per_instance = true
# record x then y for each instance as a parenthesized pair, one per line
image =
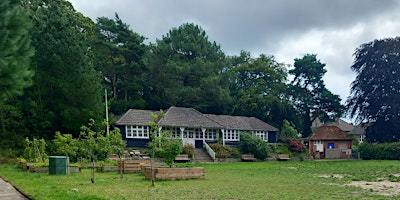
(222, 151)
(381, 151)
(35, 150)
(91, 145)
(188, 149)
(252, 144)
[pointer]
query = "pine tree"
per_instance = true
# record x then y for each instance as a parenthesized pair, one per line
(15, 50)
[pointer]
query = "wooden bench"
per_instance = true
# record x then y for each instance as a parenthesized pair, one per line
(182, 158)
(248, 157)
(283, 157)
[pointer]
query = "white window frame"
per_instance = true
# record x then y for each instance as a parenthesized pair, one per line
(174, 131)
(211, 134)
(231, 135)
(137, 132)
(262, 135)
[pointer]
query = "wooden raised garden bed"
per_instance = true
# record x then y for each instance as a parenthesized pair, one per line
(130, 166)
(174, 173)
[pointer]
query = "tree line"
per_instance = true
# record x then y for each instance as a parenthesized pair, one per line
(58, 62)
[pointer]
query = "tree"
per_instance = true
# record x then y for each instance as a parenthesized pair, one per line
(15, 50)
(375, 92)
(257, 87)
(287, 131)
(309, 95)
(184, 70)
(67, 90)
(162, 145)
(15, 73)
(119, 55)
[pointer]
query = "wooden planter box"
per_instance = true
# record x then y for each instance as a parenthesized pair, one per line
(130, 166)
(108, 168)
(46, 169)
(167, 173)
(25, 165)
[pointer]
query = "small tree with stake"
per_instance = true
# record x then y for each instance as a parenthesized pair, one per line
(162, 145)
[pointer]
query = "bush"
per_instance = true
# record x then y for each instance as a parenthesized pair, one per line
(295, 145)
(252, 144)
(382, 151)
(188, 149)
(90, 145)
(222, 151)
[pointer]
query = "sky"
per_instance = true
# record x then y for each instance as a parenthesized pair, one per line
(286, 29)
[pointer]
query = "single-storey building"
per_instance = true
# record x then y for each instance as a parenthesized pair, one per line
(358, 131)
(192, 127)
(330, 142)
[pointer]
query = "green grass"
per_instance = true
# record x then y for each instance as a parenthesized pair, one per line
(257, 180)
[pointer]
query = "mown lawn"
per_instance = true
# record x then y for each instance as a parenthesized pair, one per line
(257, 180)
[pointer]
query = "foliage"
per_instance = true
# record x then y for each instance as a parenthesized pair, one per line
(379, 151)
(252, 144)
(35, 150)
(90, 145)
(66, 145)
(161, 144)
(67, 89)
(309, 95)
(257, 88)
(376, 89)
(287, 131)
(222, 151)
(119, 52)
(15, 50)
(282, 148)
(188, 149)
(184, 70)
(295, 145)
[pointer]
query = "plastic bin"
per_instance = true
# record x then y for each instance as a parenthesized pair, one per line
(58, 165)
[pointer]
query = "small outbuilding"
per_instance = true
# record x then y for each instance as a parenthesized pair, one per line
(330, 142)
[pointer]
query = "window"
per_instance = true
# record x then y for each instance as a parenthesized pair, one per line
(361, 139)
(232, 135)
(137, 132)
(319, 146)
(175, 132)
(262, 134)
(211, 134)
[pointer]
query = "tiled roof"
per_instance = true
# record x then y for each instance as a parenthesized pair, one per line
(191, 118)
(329, 133)
(342, 125)
(187, 117)
(241, 122)
(136, 117)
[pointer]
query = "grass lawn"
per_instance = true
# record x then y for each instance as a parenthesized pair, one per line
(255, 180)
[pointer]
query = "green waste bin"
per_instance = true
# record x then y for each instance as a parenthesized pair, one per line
(58, 164)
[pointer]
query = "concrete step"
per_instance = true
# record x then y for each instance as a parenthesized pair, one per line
(200, 155)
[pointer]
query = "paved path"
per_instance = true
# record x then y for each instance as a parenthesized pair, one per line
(8, 192)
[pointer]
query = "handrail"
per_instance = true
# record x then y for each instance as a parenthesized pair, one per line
(209, 150)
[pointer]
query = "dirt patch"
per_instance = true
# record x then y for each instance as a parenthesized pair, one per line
(386, 188)
(339, 176)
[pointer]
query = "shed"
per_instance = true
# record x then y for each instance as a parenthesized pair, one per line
(330, 142)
